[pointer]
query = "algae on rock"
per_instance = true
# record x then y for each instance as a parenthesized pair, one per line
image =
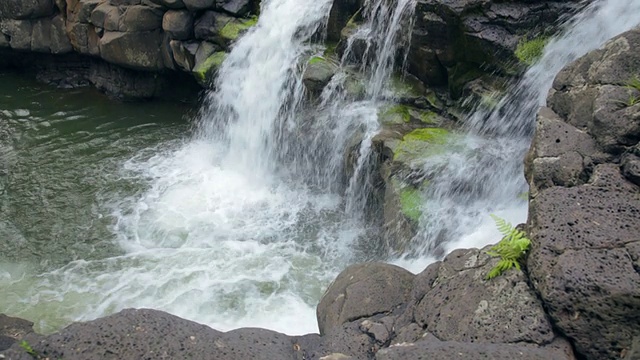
(205, 71)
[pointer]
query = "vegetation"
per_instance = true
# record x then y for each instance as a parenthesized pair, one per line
(511, 249)
(232, 29)
(530, 51)
(634, 85)
(204, 71)
(316, 60)
(411, 202)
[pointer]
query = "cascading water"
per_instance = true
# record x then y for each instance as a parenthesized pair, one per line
(245, 224)
(484, 174)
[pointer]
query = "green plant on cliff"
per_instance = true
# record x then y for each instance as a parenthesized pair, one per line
(634, 85)
(529, 51)
(511, 249)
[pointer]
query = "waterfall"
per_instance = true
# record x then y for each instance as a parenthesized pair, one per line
(485, 175)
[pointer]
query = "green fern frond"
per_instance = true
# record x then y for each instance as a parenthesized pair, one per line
(511, 249)
(503, 226)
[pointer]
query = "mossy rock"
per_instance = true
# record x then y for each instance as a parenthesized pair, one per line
(421, 144)
(410, 198)
(529, 51)
(232, 30)
(399, 114)
(205, 72)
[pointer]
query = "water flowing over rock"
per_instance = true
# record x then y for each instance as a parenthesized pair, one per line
(585, 206)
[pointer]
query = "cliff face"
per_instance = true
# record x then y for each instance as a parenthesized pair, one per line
(583, 168)
(128, 48)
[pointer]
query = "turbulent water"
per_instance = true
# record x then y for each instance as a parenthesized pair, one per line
(242, 223)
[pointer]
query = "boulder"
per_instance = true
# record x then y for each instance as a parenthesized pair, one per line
(455, 303)
(236, 7)
(150, 334)
(13, 330)
(19, 32)
(317, 74)
(448, 350)
(184, 54)
(171, 4)
(583, 216)
(135, 50)
(341, 12)
(106, 16)
(80, 11)
(141, 18)
(25, 9)
(361, 291)
(178, 24)
(196, 5)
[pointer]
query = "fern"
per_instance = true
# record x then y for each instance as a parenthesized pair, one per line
(511, 249)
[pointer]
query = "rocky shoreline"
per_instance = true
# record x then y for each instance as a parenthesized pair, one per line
(578, 295)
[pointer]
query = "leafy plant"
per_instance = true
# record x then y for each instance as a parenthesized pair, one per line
(27, 347)
(511, 249)
(530, 51)
(633, 84)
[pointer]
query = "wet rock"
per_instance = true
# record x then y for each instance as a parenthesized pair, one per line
(631, 168)
(447, 350)
(363, 290)
(178, 24)
(184, 53)
(341, 12)
(317, 74)
(13, 330)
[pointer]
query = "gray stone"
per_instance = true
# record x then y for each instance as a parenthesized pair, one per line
(171, 4)
(317, 74)
(41, 36)
(25, 9)
(60, 42)
(631, 168)
(363, 290)
(462, 306)
(205, 49)
(195, 5)
(183, 54)
(136, 50)
(178, 24)
(141, 18)
(13, 330)
(84, 38)
(448, 350)
(236, 7)
(579, 265)
(19, 31)
(81, 10)
(341, 12)
(106, 16)
(150, 334)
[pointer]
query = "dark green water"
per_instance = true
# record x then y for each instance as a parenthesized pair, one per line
(61, 154)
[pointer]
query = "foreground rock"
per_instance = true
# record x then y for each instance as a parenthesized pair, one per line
(584, 216)
(371, 311)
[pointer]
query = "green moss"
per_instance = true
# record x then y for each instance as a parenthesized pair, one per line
(420, 144)
(411, 203)
(203, 71)
(330, 50)
(530, 51)
(316, 59)
(232, 29)
(402, 114)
